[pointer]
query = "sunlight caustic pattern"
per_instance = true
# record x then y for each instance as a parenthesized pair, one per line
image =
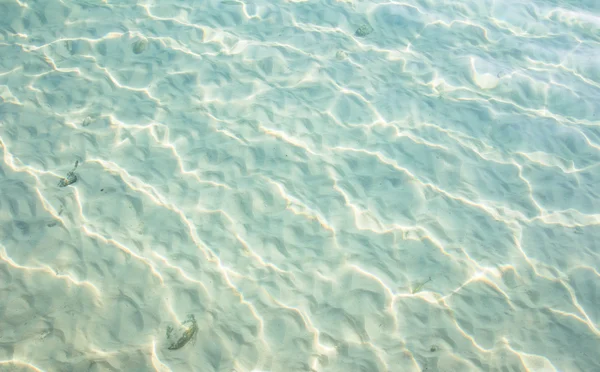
(283, 192)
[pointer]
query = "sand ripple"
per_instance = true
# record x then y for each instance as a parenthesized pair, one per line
(290, 182)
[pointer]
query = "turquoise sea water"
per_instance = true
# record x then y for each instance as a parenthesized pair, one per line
(299, 185)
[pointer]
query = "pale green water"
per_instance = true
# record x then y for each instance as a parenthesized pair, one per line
(297, 186)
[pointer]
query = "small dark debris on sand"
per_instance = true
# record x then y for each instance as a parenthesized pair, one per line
(70, 179)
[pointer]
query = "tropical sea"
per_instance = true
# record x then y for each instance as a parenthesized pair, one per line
(299, 186)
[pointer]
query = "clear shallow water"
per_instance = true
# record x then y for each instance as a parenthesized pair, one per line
(287, 195)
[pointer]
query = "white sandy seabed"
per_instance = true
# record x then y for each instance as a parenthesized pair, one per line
(299, 186)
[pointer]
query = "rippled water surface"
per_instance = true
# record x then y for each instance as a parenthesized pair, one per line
(299, 185)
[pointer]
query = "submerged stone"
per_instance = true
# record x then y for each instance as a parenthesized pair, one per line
(363, 30)
(139, 46)
(181, 336)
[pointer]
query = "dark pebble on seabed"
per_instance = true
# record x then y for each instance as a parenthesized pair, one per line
(187, 332)
(139, 46)
(363, 30)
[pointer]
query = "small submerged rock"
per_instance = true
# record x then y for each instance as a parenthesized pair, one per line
(139, 46)
(363, 30)
(181, 336)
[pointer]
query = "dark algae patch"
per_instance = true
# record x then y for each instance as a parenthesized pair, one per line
(70, 179)
(180, 337)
